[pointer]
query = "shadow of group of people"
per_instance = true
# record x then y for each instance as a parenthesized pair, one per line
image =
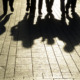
(47, 28)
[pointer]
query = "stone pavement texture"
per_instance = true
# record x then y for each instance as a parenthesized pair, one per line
(39, 48)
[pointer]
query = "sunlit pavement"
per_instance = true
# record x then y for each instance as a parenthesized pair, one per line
(34, 47)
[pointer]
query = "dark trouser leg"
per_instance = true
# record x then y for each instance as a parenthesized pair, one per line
(63, 8)
(68, 5)
(40, 6)
(51, 3)
(33, 6)
(5, 6)
(73, 5)
(28, 5)
(11, 5)
(47, 6)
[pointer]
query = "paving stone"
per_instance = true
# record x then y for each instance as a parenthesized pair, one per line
(40, 61)
(23, 73)
(23, 61)
(12, 51)
(2, 71)
(3, 60)
(57, 75)
(11, 60)
(24, 53)
(10, 70)
(67, 75)
(24, 67)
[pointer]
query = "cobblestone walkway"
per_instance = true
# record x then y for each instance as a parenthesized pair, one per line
(39, 48)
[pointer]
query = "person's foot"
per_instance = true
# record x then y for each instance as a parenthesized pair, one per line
(4, 13)
(12, 9)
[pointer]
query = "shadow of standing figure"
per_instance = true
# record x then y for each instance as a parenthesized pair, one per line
(5, 6)
(48, 6)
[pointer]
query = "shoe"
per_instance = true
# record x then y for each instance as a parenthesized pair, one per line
(4, 13)
(12, 9)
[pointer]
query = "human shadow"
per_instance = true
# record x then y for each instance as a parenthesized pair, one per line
(73, 32)
(21, 31)
(3, 22)
(47, 29)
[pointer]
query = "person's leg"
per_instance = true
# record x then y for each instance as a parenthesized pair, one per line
(51, 4)
(73, 5)
(33, 6)
(5, 7)
(48, 6)
(28, 5)
(67, 6)
(62, 4)
(11, 5)
(40, 6)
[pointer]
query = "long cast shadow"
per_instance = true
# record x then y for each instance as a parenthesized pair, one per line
(47, 28)
(73, 32)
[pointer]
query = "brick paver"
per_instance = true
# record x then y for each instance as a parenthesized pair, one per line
(39, 48)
